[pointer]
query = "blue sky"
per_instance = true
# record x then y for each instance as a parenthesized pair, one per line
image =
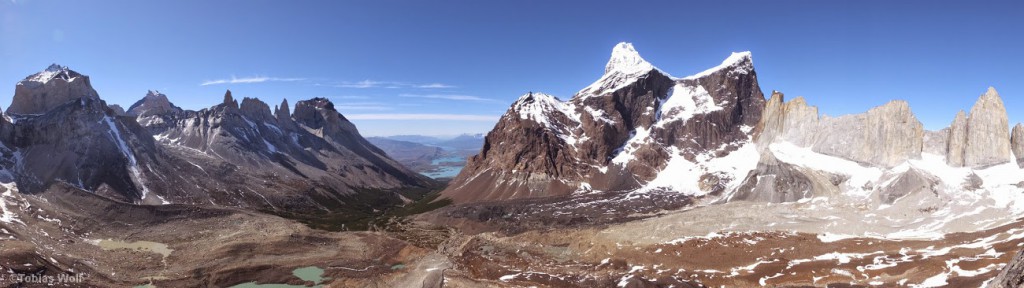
(449, 67)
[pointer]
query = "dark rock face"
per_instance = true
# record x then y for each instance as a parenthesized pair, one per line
(44, 91)
(1012, 276)
(117, 109)
(82, 144)
(617, 134)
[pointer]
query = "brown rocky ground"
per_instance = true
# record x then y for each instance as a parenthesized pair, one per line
(207, 247)
(540, 246)
(549, 242)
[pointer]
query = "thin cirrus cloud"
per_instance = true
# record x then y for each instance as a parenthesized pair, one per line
(390, 84)
(371, 106)
(451, 117)
(449, 97)
(247, 80)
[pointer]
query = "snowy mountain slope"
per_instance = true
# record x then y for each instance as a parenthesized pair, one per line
(713, 136)
(620, 133)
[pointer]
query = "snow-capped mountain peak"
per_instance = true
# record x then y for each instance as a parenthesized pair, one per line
(739, 62)
(51, 72)
(626, 60)
(154, 93)
(624, 67)
(536, 106)
(56, 68)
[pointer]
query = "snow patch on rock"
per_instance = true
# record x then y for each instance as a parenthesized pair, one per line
(735, 61)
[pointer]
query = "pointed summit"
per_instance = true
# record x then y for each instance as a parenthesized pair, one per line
(56, 68)
(54, 71)
(154, 103)
(624, 67)
(282, 110)
(230, 101)
(625, 59)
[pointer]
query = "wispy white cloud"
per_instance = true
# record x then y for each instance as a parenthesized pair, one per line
(245, 80)
(374, 106)
(453, 117)
(389, 85)
(348, 97)
(435, 85)
(449, 97)
(361, 84)
(362, 107)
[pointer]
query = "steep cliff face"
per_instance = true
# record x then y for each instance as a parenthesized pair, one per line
(988, 142)
(634, 128)
(886, 136)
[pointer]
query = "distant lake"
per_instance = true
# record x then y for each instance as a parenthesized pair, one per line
(445, 171)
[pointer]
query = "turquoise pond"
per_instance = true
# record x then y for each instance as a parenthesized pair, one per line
(311, 273)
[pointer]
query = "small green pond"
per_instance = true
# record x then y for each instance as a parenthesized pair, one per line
(311, 273)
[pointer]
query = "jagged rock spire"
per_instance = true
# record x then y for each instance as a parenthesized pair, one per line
(230, 101)
(282, 111)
